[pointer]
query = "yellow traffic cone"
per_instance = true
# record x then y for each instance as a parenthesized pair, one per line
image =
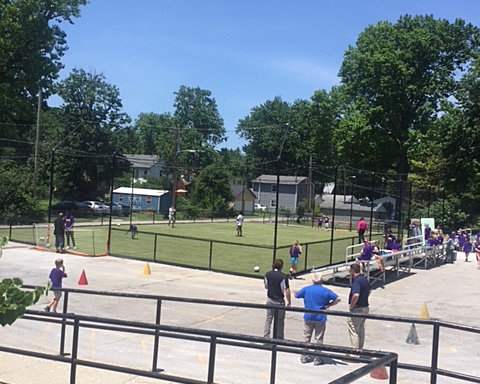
(424, 313)
(146, 270)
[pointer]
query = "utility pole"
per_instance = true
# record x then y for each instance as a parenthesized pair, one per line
(37, 140)
(174, 171)
(309, 191)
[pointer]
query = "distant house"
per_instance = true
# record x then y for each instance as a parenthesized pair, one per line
(146, 165)
(244, 199)
(389, 203)
(144, 199)
(292, 191)
(348, 205)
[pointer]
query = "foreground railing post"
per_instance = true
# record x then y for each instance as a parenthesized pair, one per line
(210, 256)
(211, 359)
(434, 365)
(155, 248)
(73, 364)
(273, 364)
(393, 371)
(64, 324)
(157, 336)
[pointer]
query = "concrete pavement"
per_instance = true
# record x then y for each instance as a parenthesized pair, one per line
(449, 291)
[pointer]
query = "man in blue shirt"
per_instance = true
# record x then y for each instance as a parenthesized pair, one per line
(358, 303)
(315, 297)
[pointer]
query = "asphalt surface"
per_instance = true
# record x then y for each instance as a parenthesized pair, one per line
(450, 293)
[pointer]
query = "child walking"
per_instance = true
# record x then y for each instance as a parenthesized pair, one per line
(56, 276)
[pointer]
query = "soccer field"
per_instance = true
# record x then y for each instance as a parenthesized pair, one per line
(214, 245)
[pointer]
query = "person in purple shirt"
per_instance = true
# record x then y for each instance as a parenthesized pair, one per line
(467, 248)
(68, 222)
(295, 252)
(432, 241)
(390, 240)
(427, 231)
(440, 237)
(326, 220)
(56, 276)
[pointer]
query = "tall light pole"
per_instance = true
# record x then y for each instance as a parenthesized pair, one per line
(351, 201)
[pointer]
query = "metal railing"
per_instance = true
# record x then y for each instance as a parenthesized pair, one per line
(276, 344)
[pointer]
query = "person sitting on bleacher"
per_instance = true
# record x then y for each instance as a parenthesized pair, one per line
(377, 253)
(365, 255)
(390, 242)
(432, 240)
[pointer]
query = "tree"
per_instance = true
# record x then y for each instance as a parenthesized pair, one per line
(196, 115)
(211, 188)
(401, 72)
(92, 125)
(32, 44)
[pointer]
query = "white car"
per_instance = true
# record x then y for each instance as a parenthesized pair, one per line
(260, 207)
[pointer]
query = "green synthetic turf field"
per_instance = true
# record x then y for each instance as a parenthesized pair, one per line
(201, 245)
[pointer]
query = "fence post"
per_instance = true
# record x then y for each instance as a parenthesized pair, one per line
(211, 359)
(436, 335)
(157, 336)
(393, 371)
(210, 256)
(273, 364)
(64, 325)
(10, 232)
(333, 216)
(306, 255)
(73, 364)
(153, 217)
(155, 248)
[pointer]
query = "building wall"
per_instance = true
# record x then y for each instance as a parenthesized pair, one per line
(265, 195)
(143, 202)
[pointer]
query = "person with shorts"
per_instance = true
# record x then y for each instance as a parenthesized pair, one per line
(59, 232)
(239, 222)
(56, 276)
(295, 252)
(326, 221)
(171, 216)
(68, 224)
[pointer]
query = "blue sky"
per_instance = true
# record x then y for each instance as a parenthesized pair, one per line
(245, 52)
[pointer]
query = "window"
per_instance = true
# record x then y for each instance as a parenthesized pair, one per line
(274, 187)
(272, 203)
(145, 172)
(149, 199)
(120, 198)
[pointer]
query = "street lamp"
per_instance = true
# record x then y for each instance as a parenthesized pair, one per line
(351, 201)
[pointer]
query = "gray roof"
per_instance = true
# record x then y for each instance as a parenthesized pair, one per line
(327, 202)
(142, 161)
(284, 180)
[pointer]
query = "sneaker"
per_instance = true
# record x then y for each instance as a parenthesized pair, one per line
(318, 362)
(47, 309)
(74, 248)
(305, 359)
(67, 247)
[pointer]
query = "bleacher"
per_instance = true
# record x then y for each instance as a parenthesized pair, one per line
(414, 254)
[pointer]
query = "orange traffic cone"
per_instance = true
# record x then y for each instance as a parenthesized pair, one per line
(380, 373)
(83, 279)
(424, 312)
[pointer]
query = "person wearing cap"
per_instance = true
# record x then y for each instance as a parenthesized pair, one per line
(315, 297)
(358, 303)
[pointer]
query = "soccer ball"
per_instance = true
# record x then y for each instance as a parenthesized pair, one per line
(256, 268)
(118, 224)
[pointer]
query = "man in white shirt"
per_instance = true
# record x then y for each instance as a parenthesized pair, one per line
(239, 224)
(171, 216)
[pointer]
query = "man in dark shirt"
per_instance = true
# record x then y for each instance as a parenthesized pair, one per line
(277, 286)
(358, 302)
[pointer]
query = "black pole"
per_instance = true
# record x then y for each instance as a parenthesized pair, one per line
(351, 206)
(443, 209)
(333, 211)
(52, 161)
(276, 212)
(111, 205)
(131, 196)
(372, 193)
(275, 231)
(400, 218)
(410, 204)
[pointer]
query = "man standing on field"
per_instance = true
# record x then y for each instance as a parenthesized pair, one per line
(239, 224)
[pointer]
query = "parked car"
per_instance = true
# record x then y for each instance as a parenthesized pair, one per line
(77, 208)
(260, 207)
(98, 208)
(119, 209)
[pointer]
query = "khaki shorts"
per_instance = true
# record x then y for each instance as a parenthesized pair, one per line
(57, 295)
